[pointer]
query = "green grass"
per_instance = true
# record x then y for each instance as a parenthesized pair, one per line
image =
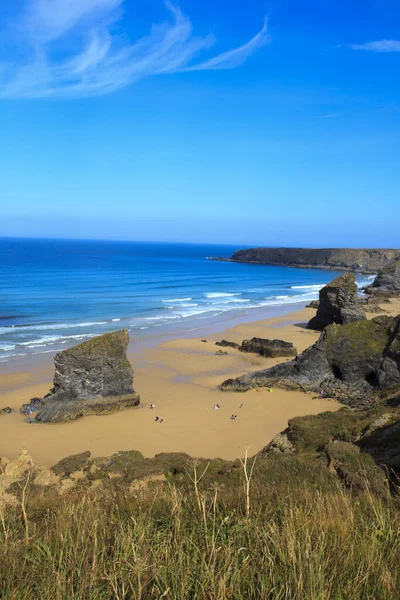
(315, 431)
(306, 538)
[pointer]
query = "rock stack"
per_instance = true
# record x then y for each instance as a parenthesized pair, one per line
(387, 282)
(92, 378)
(337, 303)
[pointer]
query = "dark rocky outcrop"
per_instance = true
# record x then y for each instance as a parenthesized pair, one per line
(92, 378)
(227, 344)
(365, 260)
(5, 411)
(350, 362)
(387, 282)
(268, 348)
(31, 407)
(337, 303)
(313, 304)
(383, 443)
(369, 304)
(261, 346)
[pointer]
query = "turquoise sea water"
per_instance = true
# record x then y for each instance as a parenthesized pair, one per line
(55, 293)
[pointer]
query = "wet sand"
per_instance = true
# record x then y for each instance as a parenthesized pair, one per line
(180, 377)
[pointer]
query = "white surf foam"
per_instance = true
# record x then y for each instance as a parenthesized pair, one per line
(183, 305)
(220, 294)
(316, 286)
(178, 300)
(47, 327)
(7, 347)
(231, 301)
(55, 339)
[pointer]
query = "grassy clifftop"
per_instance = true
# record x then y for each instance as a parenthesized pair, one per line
(318, 524)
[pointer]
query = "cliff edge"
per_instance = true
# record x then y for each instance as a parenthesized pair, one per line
(364, 260)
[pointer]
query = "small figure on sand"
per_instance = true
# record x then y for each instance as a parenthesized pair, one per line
(241, 406)
(233, 417)
(156, 419)
(161, 420)
(216, 406)
(152, 406)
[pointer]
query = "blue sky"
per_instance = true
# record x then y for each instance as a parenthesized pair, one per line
(265, 122)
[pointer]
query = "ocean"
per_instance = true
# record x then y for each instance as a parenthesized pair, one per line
(56, 293)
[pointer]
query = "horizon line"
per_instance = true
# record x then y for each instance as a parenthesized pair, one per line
(242, 246)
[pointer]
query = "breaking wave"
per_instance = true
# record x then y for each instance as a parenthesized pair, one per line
(221, 294)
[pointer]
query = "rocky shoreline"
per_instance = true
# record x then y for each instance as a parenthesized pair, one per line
(355, 361)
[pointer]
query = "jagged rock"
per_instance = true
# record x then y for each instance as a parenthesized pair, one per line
(281, 444)
(313, 304)
(227, 344)
(387, 280)
(369, 304)
(350, 362)
(337, 303)
(268, 348)
(31, 407)
(5, 411)
(92, 378)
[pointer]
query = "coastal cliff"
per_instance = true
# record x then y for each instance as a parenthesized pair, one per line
(364, 260)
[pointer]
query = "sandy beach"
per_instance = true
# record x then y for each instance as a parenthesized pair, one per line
(180, 377)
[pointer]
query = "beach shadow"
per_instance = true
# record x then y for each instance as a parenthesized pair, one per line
(301, 325)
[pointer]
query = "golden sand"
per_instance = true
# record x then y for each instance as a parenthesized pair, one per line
(180, 378)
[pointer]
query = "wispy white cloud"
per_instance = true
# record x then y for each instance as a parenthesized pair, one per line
(234, 58)
(71, 50)
(378, 46)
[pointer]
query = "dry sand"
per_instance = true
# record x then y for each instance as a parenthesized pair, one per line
(180, 378)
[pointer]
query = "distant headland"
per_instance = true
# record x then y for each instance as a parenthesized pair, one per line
(362, 260)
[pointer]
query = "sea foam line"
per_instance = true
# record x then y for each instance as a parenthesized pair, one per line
(316, 286)
(178, 300)
(221, 294)
(38, 327)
